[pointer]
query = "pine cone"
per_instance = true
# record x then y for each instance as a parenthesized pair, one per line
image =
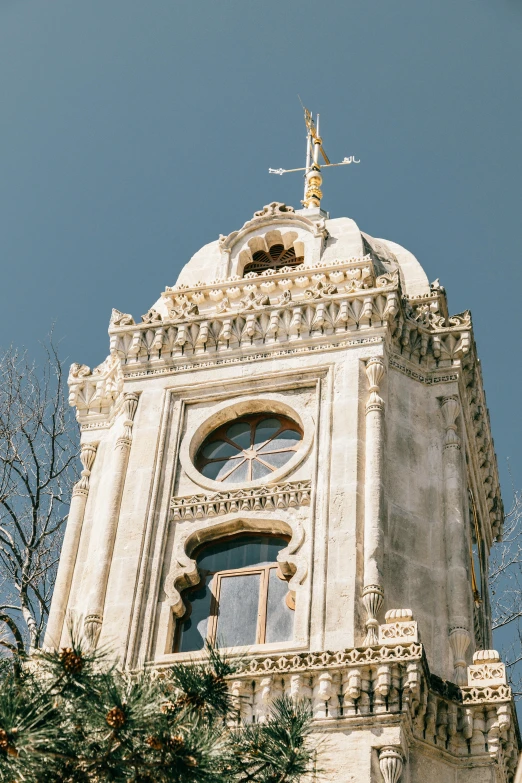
(4, 740)
(71, 662)
(6, 745)
(115, 718)
(176, 742)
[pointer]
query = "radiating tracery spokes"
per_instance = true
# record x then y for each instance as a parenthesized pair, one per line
(275, 258)
(249, 449)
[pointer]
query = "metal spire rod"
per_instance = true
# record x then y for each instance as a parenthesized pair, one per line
(312, 169)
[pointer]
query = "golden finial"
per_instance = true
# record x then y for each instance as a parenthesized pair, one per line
(313, 178)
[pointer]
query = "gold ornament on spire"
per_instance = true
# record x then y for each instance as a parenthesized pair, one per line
(313, 178)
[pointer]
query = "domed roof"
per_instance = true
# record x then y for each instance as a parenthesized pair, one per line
(278, 235)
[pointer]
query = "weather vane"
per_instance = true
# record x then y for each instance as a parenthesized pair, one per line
(314, 147)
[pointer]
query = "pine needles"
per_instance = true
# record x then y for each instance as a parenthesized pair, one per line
(72, 716)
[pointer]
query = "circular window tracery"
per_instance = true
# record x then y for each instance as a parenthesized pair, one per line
(249, 448)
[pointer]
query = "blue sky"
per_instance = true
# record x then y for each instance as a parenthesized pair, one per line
(133, 132)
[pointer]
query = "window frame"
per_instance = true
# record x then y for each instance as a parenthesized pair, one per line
(253, 419)
(215, 582)
(215, 590)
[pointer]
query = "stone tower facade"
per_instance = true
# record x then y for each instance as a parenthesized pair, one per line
(291, 453)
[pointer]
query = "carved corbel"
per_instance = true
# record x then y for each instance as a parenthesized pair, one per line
(450, 407)
(391, 763)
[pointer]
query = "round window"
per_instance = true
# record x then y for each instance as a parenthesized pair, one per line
(249, 448)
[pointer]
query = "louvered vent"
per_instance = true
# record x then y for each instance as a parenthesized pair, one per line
(276, 257)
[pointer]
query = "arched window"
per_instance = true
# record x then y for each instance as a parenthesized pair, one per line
(249, 448)
(275, 258)
(242, 598)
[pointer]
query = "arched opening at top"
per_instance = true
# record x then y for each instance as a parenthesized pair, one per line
(273, 250)
(242, 597)
(276, 257)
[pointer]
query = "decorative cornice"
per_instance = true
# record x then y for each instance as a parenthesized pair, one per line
(349, 276)
(433, 378)
(288, 495)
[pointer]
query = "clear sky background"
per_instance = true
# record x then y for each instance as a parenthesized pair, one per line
(132, 132)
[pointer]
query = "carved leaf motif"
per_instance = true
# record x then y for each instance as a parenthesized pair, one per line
(273, 209)
(121, 319)
(152, 316)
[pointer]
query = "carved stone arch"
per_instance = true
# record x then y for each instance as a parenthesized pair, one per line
(272, 250)
(189, 536)
(273, 218)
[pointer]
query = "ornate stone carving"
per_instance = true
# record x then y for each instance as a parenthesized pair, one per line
(373, 592)
(487, 670)
(87, 455)
(184, 309)
(347, 684)
(151, 317)
(450, 407)
(130, 404)
(359, 278)
(254, 302)
(120, 319)
(92, 625)
(391, 763)
(184, 572)
(320, 290)
(97, 390)
(375, 369)
(273, 209)
(460, 639)
(289, 495)
(373, 596)
(399, 628)
(429, 347)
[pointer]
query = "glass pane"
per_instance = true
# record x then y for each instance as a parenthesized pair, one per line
(284, 440)
(279, 618)
(194, 629)
(240, 434)
(238, 608)
(259, 470)
(240, 474)
(219, 448)
(216, 470)
(265, 429)
(278, 459)
(240, 552)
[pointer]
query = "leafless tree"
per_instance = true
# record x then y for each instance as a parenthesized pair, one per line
(505, 581)
(38, 466)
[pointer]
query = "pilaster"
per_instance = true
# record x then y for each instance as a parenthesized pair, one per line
(111, 510)
(70, 545)
(373, 591)
(457, 556)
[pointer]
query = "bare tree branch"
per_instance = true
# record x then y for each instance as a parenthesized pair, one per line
(505, 581)
(38, 467)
